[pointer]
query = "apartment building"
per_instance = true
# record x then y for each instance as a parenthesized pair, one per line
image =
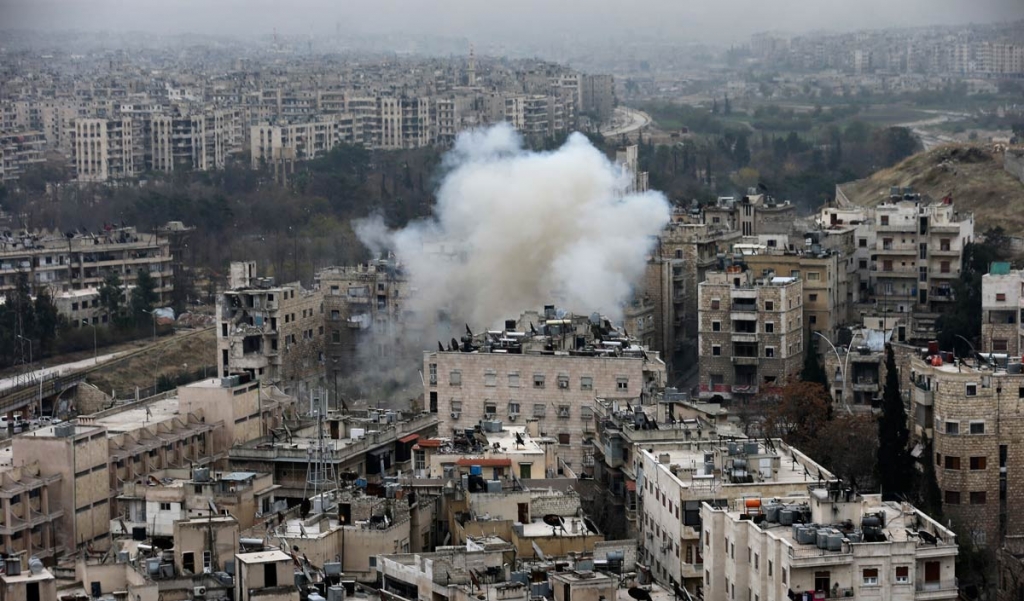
(363, 309)
(597, 96)
(275, 334)
(300, 141)
(539, 115)
(627, 158)
(752, 215)
(832, 542)
(675, 478)
(30, 512)
(201, 141)
(751, 332)
(103, 150)
(1002, 310)
(969, 413)
(547, 367)
(60, 264)
(265, 576)
(18, 152)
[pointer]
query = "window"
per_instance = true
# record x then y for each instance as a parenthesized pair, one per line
(979, 463)
(563, 411)
(490, 408)
(862, 264)
(770, 567)
(769, 305)
(490, 378)
(586, 383)
(813, 298)
(165, 506)
(977, 427)
(563, 438)
(563, 382)
(622, 384)
(870, 576)
(902, 574)
(953, 428)
(455, 378)
(335, 336)
(335, 315)
(716, 326)
(769, 351)
(795, 273)
(715, 304)
(884, 220)
(586, 413)
(952, 462)
(513, 408)
(999, 345)
(862, 242)
(978, 497)
(769, 327)
(813, 276)
(971, 389)
(539, 409)
(944, 267)
(538, 380)
(679, 254)
(814, 319)
(513, 380)
(716, 350)
(952, 497)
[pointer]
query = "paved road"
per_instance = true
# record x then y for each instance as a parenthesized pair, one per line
(13, 381)
(931, 137)
(625, 121)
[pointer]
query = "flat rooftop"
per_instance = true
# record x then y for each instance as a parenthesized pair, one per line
(572, 526)
(264, 557)
(135, 418)
(685, 462)
(657, 592)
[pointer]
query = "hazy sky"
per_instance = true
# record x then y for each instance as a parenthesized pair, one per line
(706, 20)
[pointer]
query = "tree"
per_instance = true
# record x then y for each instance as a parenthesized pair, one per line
(848, 447)
(929, 497)
(795, 412)
(46, 319)
(813, 371)
(144, 295)
(111, 292)
(727, 106)
(895, 464)
(741, 151)
(714, 106)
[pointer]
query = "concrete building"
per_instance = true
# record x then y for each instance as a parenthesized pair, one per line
(863, 364)
(627, 158)
(273, 333)
(18, 152)
(751, 332)
(60, 264)
(597, 96)
(1002, 310)
(675, 478)
(30, 512)
(499, 453)
(363, 313)
(265, 576)
(26, 583)
(542, 367)
(271, 144)
(103, 150)
(752, 215)
(968, 410)
(830, 542)
(200, 141)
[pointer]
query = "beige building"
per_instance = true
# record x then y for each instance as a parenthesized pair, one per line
(843, 545)
(103, 149)
(751, 332)
(752, 215)
(675, 478)
(545, 368)
(969, 413)
(19, 151)
(496, 453)
(275, 334)
(30, 512)
(204, 545)
(271, 144)
(26, 583)
(61, 264)
(265, 576)
(202, 141)
(1002, 309)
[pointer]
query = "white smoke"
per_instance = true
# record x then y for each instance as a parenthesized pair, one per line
(515, 230)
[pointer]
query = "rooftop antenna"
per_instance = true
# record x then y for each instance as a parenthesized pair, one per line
(320, 473)
(471, 69)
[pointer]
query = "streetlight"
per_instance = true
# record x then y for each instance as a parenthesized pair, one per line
(152, 315)
(95, 358)
(843, 363)
(29, 341)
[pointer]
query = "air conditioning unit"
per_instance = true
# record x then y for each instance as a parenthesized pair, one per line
(512, 417)
(563, 383)
(455, 415)
(199, 591)
(563, 413)
(488, 416)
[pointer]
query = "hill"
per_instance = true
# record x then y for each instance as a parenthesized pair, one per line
(972, 174)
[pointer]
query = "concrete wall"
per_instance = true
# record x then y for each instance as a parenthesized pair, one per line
(1013, 162)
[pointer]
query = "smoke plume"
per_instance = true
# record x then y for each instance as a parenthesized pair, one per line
(514, 230)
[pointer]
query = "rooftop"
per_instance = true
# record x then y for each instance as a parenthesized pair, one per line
(263, 557)
(132, 419)
(571, 527)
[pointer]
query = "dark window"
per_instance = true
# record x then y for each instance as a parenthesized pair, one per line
(979, 463)
(952, 497)
(952, 463)
(978, 497)
(269, 575)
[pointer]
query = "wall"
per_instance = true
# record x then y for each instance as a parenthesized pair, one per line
(1013, 162)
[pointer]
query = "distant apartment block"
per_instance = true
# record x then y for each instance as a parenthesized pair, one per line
(751, 332)
(753, 214)
(18, 152)
(103, 149)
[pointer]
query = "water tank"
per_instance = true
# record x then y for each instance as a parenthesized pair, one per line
(315, 596)
(494, 486)
(1013, 368)
(201, 474)
(336, 593)
(786, 517)
(332, 568)
(734, 448)
(12, 566)
(153, 565)
(772, 512)
(855, 536)
(615, 556)
(806, 535)
(835, 541)
(822, 538)
(709, 468)
(739, 464)
(664, 458)
(750, 448)
(34, 565)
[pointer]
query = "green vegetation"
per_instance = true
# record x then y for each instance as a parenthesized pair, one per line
(896, 472)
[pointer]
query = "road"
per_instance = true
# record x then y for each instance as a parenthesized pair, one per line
(31, 376)
(930, 138)
(625, 121)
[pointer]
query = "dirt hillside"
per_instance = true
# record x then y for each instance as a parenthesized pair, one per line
(185, 352)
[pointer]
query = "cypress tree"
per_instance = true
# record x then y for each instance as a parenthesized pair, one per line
(895, 464)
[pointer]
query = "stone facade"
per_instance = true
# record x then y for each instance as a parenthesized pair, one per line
(751, 333)
(971, 415)
(1002, 305)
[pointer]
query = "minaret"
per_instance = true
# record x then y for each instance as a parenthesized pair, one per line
(471, 70)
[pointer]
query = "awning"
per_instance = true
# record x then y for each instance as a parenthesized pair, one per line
(469, 462)
(409, 438)
(631, 485)
(430, 443)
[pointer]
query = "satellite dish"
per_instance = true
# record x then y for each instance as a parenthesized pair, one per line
(639, 594)
(553, 520)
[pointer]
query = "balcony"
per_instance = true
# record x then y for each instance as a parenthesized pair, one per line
(945, 252)
(944, 275)
(741, 360)
(744, 389)
(923, 397)
(894, 272)
(896, 249)
(946, 589)
(909, 227)
(743, 313)
(865, 385)
(744, 337)
(944, 228)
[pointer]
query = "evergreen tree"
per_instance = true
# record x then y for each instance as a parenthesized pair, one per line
(895, 464)
(46, 319)
(714, 106)
(929, 497)
(741, 152)
(813, 371)
(144, 295)
(727, 106)
(707, 169)
(111, 292)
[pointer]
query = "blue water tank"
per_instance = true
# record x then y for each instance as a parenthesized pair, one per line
(476, 470)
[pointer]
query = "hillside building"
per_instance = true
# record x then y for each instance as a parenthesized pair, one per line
(1002, 311)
